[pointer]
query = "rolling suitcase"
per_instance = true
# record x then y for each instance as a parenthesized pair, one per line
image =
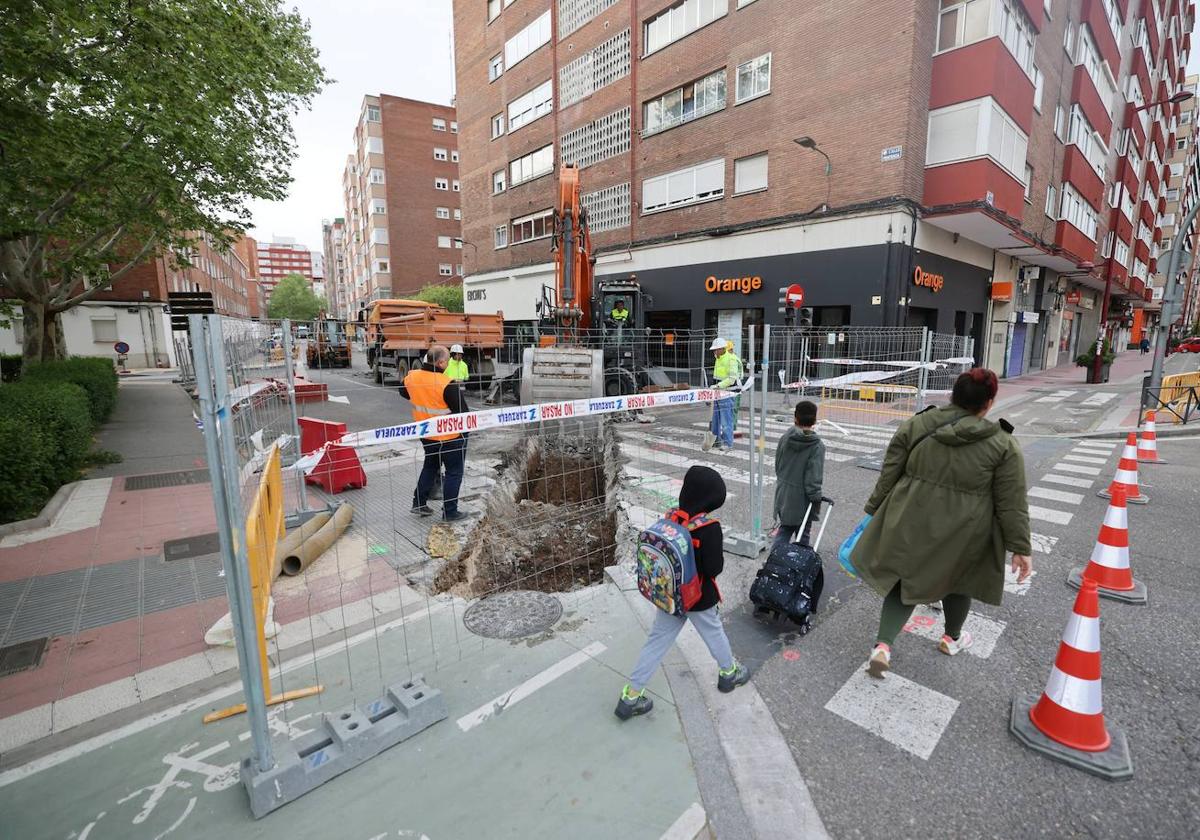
(790, 582)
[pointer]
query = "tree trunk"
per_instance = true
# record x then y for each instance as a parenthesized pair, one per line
(44, 337)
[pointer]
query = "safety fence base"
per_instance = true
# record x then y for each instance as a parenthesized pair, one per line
(345, 739)
(745, 545)
(1137, 595)
(1114, 763)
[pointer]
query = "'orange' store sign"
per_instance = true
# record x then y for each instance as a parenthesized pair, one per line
(745, 285)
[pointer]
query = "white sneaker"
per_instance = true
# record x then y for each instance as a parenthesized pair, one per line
(950, 647)
(880, 662)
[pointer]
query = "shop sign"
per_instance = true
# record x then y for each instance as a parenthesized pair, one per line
(1073, 297)
(1002, 290)
(933, 282)
(745, 285)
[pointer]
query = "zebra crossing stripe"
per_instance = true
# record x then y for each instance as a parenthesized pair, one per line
(1058, 517)
(1068, 480)
(1055, 495)
(1084, 459)
(904, 713)
(1078, 468)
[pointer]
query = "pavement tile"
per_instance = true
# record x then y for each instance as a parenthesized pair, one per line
(85, 681)
(29, 724)
(161, 679)
(95, 702)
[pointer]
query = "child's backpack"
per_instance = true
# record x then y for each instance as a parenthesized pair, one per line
(666, 562)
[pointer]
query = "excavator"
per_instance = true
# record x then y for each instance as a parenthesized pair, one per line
(583, 350)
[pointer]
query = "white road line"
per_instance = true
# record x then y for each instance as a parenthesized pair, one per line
(850, 447)
(1056, 397)
(902, 712)
(1076, 468)
(1085, 459)
(1055, 495)
(1068, 480)
(1058, 517)
(926, 622)
(1098, 444)
(1095, 452)
(644, 457)
(1099, 398)
(1042, 544)
(510, 698)
(658, 482)
(1010, 579)
(690, 823)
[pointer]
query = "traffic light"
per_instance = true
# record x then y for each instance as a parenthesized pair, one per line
(806, 317)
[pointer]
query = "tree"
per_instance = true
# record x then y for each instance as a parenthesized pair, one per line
(450, 297)
(293, 298)
(126, 123)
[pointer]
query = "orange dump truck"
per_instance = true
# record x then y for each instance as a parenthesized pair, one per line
(398, 332)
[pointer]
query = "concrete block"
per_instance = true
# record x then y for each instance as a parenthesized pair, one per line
(345, 739)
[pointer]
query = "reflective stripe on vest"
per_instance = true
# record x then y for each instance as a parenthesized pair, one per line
(425, 389)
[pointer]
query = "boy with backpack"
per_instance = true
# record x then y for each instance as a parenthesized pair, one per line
(799, 474)
(679, 559)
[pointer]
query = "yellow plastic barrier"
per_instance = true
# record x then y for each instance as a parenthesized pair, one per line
(264, 529)
(1173, 395)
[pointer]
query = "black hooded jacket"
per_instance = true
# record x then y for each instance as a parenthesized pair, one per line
(703, 491)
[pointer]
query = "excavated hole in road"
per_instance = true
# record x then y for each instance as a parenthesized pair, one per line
(551, 519)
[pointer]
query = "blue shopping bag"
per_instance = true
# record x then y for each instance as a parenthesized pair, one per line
(848, 547)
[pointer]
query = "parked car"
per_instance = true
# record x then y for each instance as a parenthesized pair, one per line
(1189, 345)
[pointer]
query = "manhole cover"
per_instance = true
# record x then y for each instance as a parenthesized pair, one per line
(28, 655)
(512, 615)
(168, 479)
(198, 546)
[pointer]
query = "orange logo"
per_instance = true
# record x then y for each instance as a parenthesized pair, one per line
(745, 285)
(933, 282)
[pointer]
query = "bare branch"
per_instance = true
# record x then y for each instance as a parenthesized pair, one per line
(88, 294)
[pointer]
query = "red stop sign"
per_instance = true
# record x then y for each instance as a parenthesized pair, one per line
(795, 295)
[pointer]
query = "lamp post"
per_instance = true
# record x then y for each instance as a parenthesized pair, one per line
(811, 144)
(1102, 329)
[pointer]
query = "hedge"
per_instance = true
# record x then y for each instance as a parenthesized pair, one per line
(47, 419)
(10, 367)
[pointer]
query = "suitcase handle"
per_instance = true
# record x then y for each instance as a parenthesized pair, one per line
(821, 533)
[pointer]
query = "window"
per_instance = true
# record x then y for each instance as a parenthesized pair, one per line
(705, 182)
(1069, 40)
(444, 242)
(439, 154)
(445, 269)
(441, 184)
(375, 145)
(457, 214)
(453, 127)
(1039, 82)
(378, 207)
(1017, 33)
(1114, 18)
(1096, 67)
(1078, 212)
(442, 212)
(456, 185)
(608, 208)
(750, 174)
(754, 78)
(533, 165)
(692, 101)
(493, 9)
(680, 20)
(454, 155)
(593, 70)
(598, 140)
(500, 237)
(975, 129)
(1122, 253)
(372, 113)
(1060, 123)
(381, 266)
(376, 176)
(379, 236)
(1181, 143)
(458, 269)
(962, 23)
(573, 14)
(529, 106)
(496, 67)
(104, 329)
(1087, 140)
(534, 226)
(1173, 194)
(439, 124)
(527, 40)
(458, 243)
(498, 182)
(1046, 6)
(497, 125)
(1028, 184)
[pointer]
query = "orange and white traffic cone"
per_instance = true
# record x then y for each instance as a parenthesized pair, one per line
(1127, 477)
(1067, 721)
(1109, 563)
(1147, 449)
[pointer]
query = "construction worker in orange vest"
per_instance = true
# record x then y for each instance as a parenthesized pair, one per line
(433, 394)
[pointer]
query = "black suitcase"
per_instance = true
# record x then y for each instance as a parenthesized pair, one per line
(791, 581)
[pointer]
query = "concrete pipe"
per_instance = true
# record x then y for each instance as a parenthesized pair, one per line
(297, 561)
(294, 538)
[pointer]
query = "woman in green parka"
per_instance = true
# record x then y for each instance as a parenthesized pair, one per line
(950, 501)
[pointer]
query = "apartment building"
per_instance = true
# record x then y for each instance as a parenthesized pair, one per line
(213, 268)
(333, 245)
(280, 258)
(246, 247)
(976, 142)
(403, 222)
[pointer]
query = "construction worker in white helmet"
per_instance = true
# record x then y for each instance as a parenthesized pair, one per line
(725, 371)
(457, 368)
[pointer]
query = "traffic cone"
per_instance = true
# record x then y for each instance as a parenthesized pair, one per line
(1067, 721)
(1127, 477)
(1109, 563)
(1147, 450)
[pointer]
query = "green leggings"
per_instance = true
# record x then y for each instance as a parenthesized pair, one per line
(896, 613)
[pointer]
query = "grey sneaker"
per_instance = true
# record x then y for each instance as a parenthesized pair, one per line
(631, 706)
(453, 517)
(422, 510)
(728, 681)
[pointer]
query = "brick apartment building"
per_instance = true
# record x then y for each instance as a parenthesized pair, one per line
(246, 247)
(976, 141)
(280, 258)
(221, 271)
(333, 245)
(401, 188)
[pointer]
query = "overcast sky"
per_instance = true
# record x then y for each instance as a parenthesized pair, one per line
(401, 47)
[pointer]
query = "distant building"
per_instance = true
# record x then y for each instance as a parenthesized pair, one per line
(402, 189)
(280, 258)
(215, 269)
(337, 291)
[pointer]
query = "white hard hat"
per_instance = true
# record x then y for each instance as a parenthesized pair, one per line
(456, 348)
(718, 344)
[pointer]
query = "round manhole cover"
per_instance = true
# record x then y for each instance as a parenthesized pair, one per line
(512, 615)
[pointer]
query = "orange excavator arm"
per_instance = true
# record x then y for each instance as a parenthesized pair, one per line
(573, 263)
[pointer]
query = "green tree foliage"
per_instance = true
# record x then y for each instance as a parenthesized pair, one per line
(293, 298)
(450, 297)
(125, 124)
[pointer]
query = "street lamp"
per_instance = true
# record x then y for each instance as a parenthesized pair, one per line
(811, 144)
(1102, 329)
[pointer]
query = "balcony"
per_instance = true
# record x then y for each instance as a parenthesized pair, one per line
(1141, 250)
(1141, 69)
(1093, 14)
(982, 69)
(1083, 91)
(1074, 241)
(1146, 214)
(1081, 175)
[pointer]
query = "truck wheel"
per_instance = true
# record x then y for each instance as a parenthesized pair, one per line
(402, 368)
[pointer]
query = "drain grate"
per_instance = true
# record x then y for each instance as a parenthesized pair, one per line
(153, 481)
(198, 546)
(22, 657)
(512, 615)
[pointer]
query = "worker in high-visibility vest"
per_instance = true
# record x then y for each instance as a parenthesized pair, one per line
(619, 314)
(433, 394)
(457, 368)
(725, 367)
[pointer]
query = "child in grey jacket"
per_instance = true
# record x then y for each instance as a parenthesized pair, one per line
(799, 474)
